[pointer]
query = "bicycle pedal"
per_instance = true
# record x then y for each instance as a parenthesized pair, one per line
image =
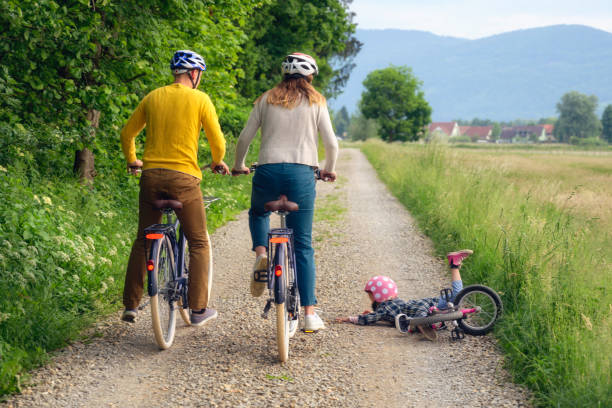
(457, 334)
(309, 331)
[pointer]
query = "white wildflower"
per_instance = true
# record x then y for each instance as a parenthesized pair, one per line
(4, 170)
(36, 199)
(104, 261)
(47, 200)
(63, 256)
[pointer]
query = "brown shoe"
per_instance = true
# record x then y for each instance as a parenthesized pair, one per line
(260, 270)
(427, 332)
(455, 258)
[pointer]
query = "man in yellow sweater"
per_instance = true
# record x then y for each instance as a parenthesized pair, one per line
(173, 116)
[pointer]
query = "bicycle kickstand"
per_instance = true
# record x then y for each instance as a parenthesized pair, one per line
(267, 309)
(457, 334)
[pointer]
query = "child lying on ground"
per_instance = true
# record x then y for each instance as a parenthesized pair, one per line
(386, 305)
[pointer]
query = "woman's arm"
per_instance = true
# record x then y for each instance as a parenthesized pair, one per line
(247, 135)
(330, 142)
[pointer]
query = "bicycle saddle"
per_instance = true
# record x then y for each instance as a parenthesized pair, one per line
(282, 204)
(161, 204)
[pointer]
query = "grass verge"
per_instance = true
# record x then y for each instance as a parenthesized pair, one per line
(63, 256)
(551, 264)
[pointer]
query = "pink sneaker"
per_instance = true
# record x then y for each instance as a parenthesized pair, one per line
(455, 258)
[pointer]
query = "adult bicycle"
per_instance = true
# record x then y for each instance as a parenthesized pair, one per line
(281, 275)
(167, 264)
(474, 311)
(168, 271)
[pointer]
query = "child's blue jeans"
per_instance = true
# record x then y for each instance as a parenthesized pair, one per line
(456, 287)
(297, 182)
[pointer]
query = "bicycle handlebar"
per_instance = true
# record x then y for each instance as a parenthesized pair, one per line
(253, 167)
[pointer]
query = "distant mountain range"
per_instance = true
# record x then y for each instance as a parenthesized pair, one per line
(516, 75)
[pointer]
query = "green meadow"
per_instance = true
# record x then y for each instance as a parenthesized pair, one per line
(539, 222)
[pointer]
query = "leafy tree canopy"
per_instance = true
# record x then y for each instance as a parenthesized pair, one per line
(577, 117)
(321, 28)
(393, 97)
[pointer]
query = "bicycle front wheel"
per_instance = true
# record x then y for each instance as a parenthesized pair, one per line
(490, 304)
(163, 303)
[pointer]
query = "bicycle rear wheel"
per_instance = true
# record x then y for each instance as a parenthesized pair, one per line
(163, 303)
(490, 304)
(184, 311)
(282, 317)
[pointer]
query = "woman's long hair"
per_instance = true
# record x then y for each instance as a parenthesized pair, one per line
(289, 92)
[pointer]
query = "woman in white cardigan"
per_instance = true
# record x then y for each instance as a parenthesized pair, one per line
(291, 116)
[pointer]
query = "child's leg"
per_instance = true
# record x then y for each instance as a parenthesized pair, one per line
(454, 262)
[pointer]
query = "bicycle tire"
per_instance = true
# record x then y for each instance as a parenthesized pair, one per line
(479, 324)
(185, 311)
(282, 317)
(163, 308)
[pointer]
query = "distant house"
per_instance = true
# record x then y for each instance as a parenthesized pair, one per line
(550, 136)
(523, 134)
(480, 134)
(443, 130)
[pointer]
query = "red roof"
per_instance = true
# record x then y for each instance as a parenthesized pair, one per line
(549, 129)
(480, 132)
(446, 127)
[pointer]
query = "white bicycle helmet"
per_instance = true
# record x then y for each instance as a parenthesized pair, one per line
(186, 60)
(298, 63)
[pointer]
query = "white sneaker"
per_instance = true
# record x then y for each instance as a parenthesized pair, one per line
(313, 323)
(260, 267)
(293, 325)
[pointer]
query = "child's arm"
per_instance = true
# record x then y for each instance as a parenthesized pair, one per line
(365, 318)
(351, 319)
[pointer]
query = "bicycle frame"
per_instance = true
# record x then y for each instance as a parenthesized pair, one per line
(170, 228)
(155, 233)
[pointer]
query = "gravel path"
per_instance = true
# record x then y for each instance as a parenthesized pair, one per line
(360, 230)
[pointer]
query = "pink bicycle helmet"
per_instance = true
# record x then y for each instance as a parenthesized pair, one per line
(382, 287)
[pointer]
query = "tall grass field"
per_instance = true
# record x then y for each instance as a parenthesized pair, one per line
(540, 225)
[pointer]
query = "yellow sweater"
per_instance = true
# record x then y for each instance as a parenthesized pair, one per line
(174, 115)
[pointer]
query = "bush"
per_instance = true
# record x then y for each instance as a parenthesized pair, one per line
(588, 141)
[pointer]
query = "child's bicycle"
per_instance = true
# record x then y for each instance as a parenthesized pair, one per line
(281, 276)
(475, 311)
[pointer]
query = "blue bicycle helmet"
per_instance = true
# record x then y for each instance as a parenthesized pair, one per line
(186, 60)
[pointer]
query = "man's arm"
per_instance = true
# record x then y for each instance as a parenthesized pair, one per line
(132, 128)
(212, 129)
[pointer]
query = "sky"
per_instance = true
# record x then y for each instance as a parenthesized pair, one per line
(480, 18)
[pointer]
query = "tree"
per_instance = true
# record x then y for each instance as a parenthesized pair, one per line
(341, 121)
(322, 28)
(78, 68)
(496, 131)
(606, 121)
(394, 98)
(361, 128)
(577, 117)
